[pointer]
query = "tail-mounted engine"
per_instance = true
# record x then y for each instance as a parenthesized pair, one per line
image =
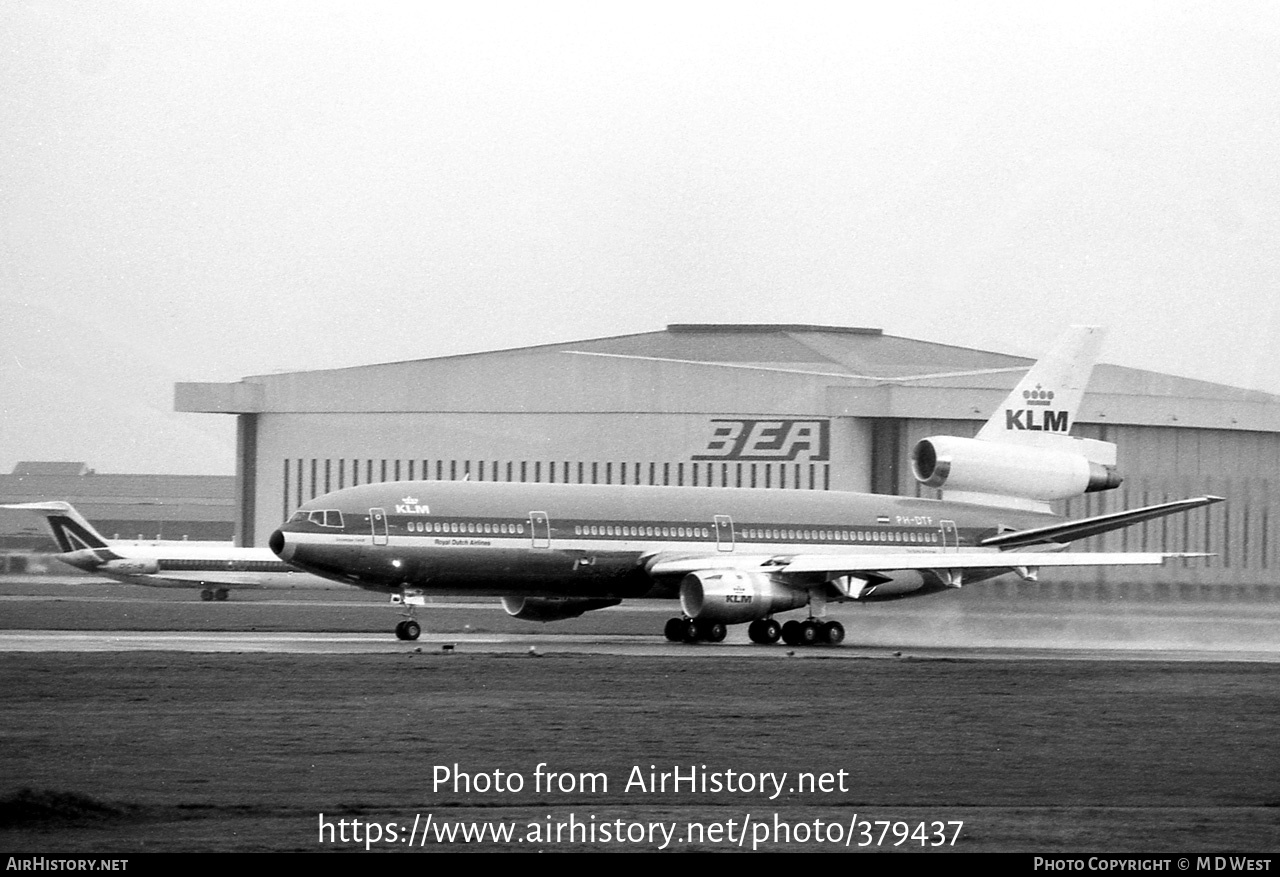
(732, 597)
(551, 608)
(999, 469)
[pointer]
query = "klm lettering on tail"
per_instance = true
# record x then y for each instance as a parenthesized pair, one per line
(1048, 421)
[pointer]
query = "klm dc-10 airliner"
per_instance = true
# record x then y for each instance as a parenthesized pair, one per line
(732, 555)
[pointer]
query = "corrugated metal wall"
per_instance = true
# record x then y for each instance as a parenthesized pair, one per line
(301, 456)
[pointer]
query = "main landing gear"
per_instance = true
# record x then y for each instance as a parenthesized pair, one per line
(213, 594)
(686, 630)
(764, 631)
(812, 632)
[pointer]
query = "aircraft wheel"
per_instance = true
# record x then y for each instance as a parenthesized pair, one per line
(810, 632)
(690, 631)
(674, 631)
(220, 594)
(706, 631)
(833, 633)
(770, 631)
(206, 595)
(764, 631)
(412, 630)
(400, 630)
(715, 633)
(791, 633)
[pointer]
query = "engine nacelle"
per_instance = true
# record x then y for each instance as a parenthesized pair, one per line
(552, 608)
(131, 567)
(1007, 470)
(732, 597)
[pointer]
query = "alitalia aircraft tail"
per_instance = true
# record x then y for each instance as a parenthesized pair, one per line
(1024, 456)
(67, 526)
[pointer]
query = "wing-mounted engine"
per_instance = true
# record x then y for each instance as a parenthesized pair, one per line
(552, 608)
(733, 597)
(1018, 471)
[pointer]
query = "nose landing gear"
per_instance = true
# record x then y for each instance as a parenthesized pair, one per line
(409, 629)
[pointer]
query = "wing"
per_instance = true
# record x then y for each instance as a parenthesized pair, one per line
(994, 553)
(880, 562)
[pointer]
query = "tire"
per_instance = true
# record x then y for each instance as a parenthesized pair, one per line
(810, 633)
(833, 633)
(791, 633)
(771, 631)
(674, 630)
(412, 630)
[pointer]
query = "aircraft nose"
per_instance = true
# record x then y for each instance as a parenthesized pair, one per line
(282, 546)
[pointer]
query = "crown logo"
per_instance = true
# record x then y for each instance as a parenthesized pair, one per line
(1038, 396)
(410, 500)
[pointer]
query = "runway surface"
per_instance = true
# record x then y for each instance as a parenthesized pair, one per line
(139, 719)
(45, 614)
(548, 644)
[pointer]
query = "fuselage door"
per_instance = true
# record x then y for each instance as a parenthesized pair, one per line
(378, 521)
(540, 526)
(950, 537)
(724, 533)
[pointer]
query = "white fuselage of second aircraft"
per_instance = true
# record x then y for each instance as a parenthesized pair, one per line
(188, 564)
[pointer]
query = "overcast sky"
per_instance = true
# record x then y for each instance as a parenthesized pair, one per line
(205, 191)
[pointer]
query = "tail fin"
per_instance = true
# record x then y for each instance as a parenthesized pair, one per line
(1025, 456)
(68, 527)
(1041, 410)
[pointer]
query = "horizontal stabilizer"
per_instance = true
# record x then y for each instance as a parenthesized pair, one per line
(1069, 531)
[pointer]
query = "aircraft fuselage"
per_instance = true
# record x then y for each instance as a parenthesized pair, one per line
(597, 541)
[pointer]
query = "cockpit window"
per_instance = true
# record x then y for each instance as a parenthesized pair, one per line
(298, 516)
(326, 518)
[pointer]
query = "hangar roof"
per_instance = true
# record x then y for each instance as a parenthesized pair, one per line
(722, 368)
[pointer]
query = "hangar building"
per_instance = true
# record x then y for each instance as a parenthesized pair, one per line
(777, 407)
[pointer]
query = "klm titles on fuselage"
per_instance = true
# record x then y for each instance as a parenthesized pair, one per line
(410, 506)
(1046, 421)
